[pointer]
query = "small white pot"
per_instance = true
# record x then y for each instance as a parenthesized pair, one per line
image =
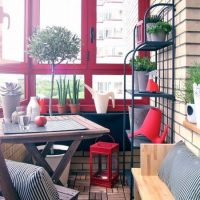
(190, 109)
(196, 93)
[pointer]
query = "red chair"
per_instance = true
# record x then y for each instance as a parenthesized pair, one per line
(151, 127)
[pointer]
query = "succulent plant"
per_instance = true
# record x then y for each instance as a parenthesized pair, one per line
(10, 88)
(62, 90)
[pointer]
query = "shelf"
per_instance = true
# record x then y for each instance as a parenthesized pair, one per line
(153, 46)
(152, 94)
(191, 126)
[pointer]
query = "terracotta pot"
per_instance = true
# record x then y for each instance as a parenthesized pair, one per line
(61, 109)
(74, 108)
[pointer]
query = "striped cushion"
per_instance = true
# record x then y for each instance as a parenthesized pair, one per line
(180, 170)
(31, 182)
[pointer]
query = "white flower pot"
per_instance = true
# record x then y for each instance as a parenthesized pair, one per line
(191, 116)
(9, 104)
(196, 93)
(55, 158)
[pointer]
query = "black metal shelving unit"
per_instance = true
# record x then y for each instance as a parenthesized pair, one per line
(166, 94)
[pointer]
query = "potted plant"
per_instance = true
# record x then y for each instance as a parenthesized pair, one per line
(142, 65)
(159, 31)
(150, 21)
(74, 90)
(10, 95)
(53, 45)
(194, 75)
(62, 94)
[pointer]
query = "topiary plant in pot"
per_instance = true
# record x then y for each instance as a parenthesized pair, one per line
(159, 31)
(53, 45)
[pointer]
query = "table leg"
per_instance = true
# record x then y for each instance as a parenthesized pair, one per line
(7, 187)
(40, 160)
(65, 160)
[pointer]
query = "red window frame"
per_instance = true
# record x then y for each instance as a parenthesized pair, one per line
(87, 67)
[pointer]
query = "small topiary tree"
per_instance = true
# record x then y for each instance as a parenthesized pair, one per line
(53, 45)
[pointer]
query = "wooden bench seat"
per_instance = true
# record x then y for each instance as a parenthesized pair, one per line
(147, 184)
(150, 187)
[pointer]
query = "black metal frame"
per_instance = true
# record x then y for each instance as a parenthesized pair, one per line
(151, 46)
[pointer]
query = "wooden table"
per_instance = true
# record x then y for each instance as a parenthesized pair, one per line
(92, 130)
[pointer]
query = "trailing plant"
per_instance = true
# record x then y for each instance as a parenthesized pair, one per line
(74, 90)
(160, 26)
(62, 90)
(143, 64)
(53, 45)
(185, 93)
(153, 19)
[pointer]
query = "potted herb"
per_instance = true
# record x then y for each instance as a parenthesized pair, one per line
(142, 65)
(151, 21)
(53, 45)
(159, 31)
(74, 89)
(62, 94)
(194, 75)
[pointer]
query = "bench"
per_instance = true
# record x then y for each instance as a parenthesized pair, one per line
(147, 184)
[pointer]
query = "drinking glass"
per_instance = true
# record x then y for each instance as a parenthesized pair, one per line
(24, 122)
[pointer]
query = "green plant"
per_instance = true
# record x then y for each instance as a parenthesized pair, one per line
(153, 19)
(53, 45)
(143, 64)
(62, 90)
(160, 26)
(74, 90)
(185, 93)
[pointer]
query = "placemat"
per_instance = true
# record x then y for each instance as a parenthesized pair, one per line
(51, 126)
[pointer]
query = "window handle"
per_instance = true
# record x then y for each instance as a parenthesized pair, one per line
(92, 35)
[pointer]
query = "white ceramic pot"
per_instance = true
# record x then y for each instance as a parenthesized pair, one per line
(196, 93)
(9, 104)
(190, 109)
(158, 37)
(55, 158)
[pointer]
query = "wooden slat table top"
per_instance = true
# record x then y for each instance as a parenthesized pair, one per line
(93, 130)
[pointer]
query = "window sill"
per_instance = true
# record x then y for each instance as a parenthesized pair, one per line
(191, 126)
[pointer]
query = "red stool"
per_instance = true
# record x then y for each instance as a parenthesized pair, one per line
(104, 163)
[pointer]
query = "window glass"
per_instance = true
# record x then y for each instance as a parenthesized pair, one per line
(43, 85)
(114, 83)
(16, 78)
(62, 13)
(12, 14)
(115, 24)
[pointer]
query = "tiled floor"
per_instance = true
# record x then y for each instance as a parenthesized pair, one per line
(81, 181)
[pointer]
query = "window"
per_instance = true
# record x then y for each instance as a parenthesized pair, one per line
(104, 26)
(114, 28)
(12, 31)
(62, 13)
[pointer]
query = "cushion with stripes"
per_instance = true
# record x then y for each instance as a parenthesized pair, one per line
(31, 182)
(180, 170)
